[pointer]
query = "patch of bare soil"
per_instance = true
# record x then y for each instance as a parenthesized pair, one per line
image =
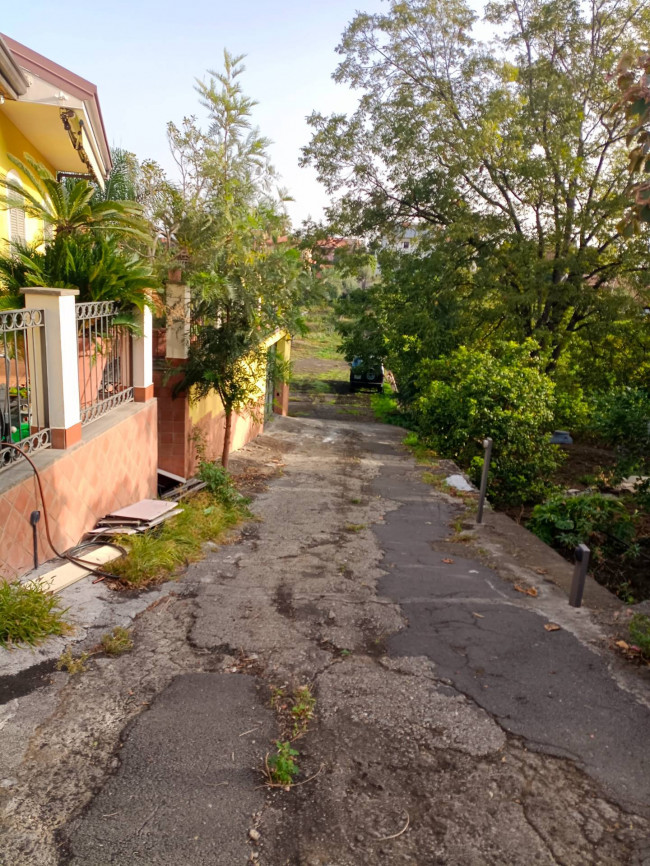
(583, 462)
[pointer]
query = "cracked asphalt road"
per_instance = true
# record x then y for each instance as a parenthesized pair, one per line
(443, 704)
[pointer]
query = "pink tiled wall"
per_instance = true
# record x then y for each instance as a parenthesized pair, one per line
(176, 449)
(110, 471)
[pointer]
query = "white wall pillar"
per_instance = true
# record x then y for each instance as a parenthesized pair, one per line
(62, 364)
(178, 321)
(143, 357)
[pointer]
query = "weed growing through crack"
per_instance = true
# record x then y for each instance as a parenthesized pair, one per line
(295, 712)
(282, 768)
(278, 698)
(355, 501)
(67, 662)
(302, 711)
(28, 614)
(116, 642)
(354, 527)
(435, 480)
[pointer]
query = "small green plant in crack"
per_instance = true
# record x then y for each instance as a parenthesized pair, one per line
(281, 768)
(355, 500)
(116, 642)
(302, 711)
(278, 698)
(67, 662)
(436, 480)
(354, 527)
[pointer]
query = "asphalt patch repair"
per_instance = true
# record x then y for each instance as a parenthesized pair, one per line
(409, 760)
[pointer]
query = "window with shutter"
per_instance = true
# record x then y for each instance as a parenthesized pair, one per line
(16, 216)
(17, 225)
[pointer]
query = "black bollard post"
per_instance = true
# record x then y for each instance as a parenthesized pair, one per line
(579, 575)
(34, 517)
(487, 445)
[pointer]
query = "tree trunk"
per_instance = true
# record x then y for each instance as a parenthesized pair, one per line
(225, 454)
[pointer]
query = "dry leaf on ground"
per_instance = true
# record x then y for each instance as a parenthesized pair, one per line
(527, 590)
(552, 626)
(448, 561)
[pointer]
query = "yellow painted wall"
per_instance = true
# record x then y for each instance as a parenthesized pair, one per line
(13, 142)
(207, 416)
(212, 405)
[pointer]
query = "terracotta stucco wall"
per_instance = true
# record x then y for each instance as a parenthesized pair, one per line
(179, 422)
(109, 471)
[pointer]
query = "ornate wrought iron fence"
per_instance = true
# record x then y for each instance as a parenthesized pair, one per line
(105, 365)
(23, 384)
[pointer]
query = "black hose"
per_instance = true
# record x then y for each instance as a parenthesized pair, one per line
(84, 563)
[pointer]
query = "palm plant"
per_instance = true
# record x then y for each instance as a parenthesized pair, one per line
(88, 248)
(72, 206)
(94, 265)
(122, 183)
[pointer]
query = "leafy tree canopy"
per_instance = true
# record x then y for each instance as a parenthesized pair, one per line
(504, 156)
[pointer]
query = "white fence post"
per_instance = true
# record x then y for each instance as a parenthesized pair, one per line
(62, 364)
(143, 358)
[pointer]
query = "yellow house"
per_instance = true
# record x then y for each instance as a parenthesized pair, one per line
(52, 114)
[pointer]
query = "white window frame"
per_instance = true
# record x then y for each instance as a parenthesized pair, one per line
(17, 220)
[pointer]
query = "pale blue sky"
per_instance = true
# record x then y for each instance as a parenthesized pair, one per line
(144, 55)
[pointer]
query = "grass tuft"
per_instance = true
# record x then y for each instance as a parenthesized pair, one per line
(117, 641)
(152, 557)
(72, 665)
(28, 614)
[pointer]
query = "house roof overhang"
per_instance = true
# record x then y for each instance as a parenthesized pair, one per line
(56, 110)
(12, 81)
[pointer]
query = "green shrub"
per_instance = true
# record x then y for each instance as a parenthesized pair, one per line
(621, 417)
(219, 483)
(572, 409)
(642, 495)
(385, 407)
(470, 394)
(27, 614)
(593, 519)
(640, 632)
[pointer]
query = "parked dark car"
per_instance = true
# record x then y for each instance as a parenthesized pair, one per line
(366, 373)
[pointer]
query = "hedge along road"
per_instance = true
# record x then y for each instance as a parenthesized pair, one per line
(450, 727)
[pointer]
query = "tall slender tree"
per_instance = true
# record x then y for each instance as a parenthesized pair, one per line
(246, 280)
